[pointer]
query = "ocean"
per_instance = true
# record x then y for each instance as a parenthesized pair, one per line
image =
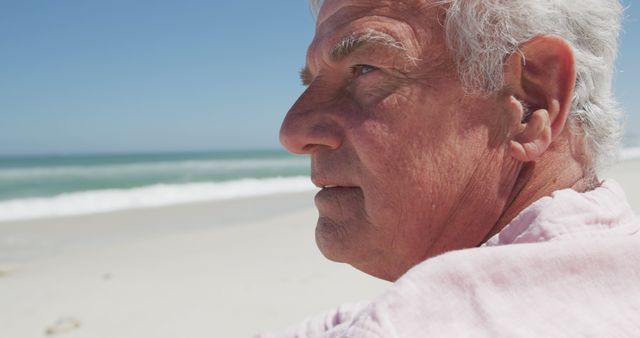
(50, 186)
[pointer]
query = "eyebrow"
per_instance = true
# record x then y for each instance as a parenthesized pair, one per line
(351, 44)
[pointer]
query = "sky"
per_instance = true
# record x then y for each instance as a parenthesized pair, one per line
(119, 76)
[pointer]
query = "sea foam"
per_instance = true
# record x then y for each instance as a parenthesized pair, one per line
(89, 202)
(629, 153)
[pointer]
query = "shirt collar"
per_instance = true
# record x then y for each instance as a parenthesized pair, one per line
(567, 213)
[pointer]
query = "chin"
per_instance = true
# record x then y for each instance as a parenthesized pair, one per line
(330, 240)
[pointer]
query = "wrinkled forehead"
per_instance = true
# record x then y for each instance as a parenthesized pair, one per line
(328, 8)
(399, 18)
(414, 26)
(421, 14)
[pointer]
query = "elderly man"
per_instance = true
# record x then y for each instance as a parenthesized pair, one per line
(458, 145)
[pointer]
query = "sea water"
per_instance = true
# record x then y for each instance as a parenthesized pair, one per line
(48, 186)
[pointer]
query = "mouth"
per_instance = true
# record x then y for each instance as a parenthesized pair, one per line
(334, 186)
(332, 196)
(336, 190)
(326, 183)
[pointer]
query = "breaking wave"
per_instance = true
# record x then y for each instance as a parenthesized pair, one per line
(98, 201)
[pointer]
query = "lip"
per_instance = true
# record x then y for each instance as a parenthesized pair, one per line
(329, 194)
(330, 184)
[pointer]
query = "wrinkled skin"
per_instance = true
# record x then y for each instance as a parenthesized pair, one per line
(419, 167)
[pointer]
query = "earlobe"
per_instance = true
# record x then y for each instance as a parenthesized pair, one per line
(534, 139)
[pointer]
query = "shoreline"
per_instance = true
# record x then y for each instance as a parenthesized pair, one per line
(147, 197)
(163, 196)
(627, 154)
(133, 224)
(227, 268)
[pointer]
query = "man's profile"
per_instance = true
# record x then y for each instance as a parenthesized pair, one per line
(458, 146)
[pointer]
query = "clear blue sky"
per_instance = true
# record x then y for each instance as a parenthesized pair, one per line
(80, 76)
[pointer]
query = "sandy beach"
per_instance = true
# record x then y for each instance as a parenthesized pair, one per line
(217, 269)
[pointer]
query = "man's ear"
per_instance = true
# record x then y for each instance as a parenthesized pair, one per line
(541, 78)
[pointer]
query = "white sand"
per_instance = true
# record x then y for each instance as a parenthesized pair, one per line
(221, 269)
(225, 269)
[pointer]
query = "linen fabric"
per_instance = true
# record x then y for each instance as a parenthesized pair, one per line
(567, 266)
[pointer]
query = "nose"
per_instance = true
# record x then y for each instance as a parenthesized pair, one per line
(310, 126)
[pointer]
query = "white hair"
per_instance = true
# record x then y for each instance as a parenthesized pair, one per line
(481, 34)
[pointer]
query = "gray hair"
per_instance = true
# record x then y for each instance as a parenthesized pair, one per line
(482, 33)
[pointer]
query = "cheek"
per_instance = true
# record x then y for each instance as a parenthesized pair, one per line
(380, 140)
(408, 154)
(400, 139)
(390, 145)
(376, 148)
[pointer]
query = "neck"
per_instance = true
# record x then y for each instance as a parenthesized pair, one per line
(556, 170)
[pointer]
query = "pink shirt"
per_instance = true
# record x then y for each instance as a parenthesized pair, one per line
(574, 273)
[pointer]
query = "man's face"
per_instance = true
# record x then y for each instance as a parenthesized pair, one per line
(409, 165)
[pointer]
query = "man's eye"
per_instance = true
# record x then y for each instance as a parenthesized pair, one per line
(362, 69)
